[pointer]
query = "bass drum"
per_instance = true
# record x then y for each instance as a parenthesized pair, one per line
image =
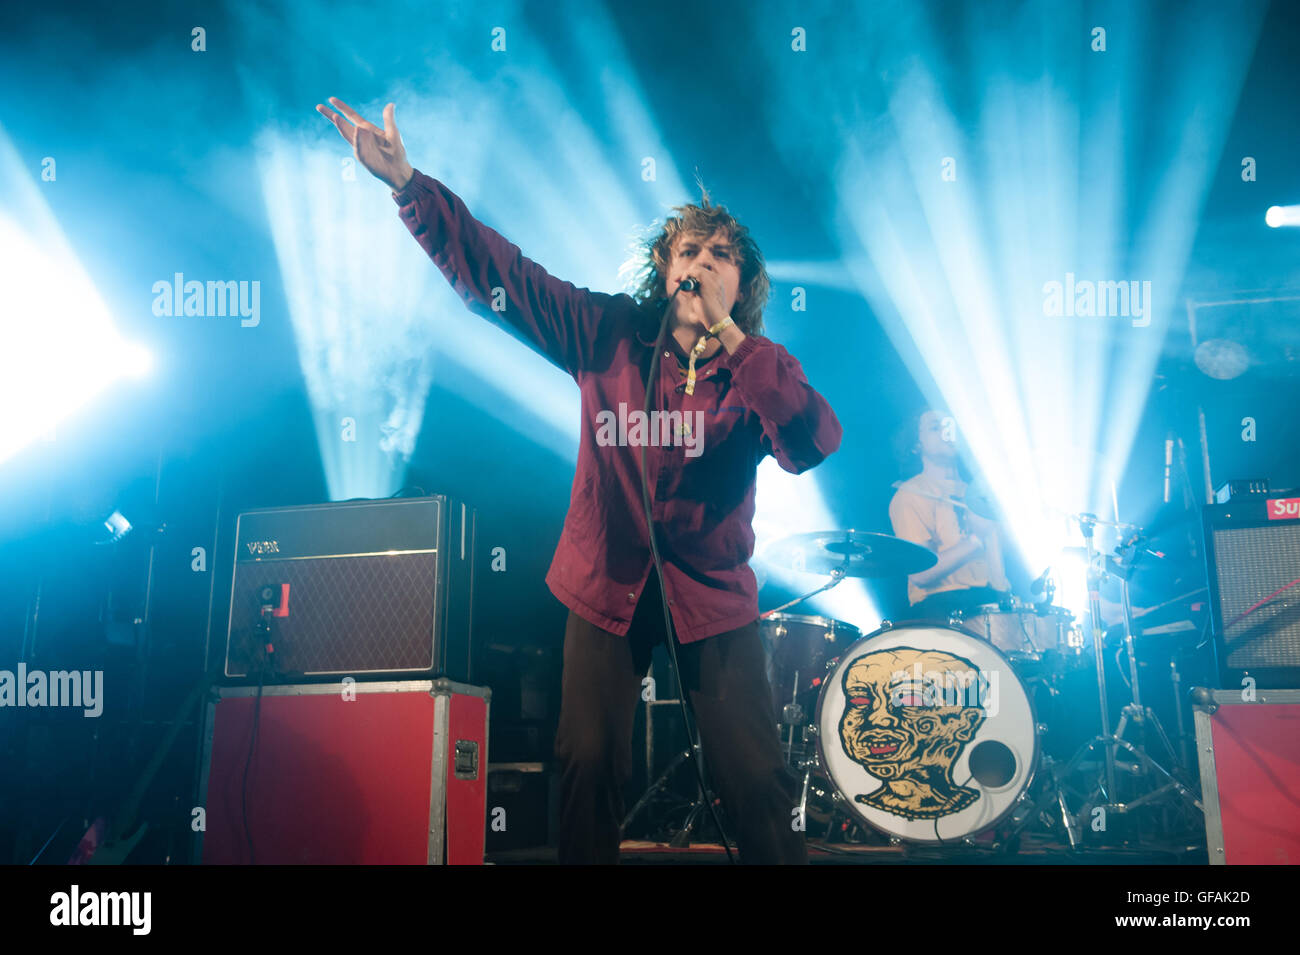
(927, 733)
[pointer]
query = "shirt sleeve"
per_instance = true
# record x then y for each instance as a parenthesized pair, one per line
(908, 520)
(799, 428)
(564, 322)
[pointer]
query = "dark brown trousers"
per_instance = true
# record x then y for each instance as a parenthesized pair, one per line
(726, 677)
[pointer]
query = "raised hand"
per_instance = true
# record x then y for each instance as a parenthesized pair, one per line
(712, 299)
(379, 150)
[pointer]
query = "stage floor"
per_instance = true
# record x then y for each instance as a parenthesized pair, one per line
(1030, 853)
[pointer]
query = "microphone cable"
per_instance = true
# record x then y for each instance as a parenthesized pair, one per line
(687, 715)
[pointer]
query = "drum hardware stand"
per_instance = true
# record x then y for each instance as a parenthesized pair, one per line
(808, 765)
(1140, 714)
(837, 803)
(698, 807)
(683, 838)
(792, 714)
(1182, 758)
(1145, 765)
(1134, 711)
(1053, 792)
(1088, 525)
(837, 575)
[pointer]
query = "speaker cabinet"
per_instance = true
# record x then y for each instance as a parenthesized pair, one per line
(1252, 550)
(368, 589)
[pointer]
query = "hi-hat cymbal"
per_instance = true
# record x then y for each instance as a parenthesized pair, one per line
(856, 553)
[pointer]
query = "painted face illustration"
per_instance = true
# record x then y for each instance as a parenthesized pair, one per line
(907, 715)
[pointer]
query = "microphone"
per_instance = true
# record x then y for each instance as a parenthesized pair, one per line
(688, 285)
(1039, 585)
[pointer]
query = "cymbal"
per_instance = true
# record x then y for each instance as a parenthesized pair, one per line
(856, 553)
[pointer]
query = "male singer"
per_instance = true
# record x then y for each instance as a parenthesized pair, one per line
(744, 394)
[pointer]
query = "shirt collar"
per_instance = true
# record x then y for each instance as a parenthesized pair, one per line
(954, 488)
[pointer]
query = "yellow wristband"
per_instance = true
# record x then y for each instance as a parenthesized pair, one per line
(698, 350)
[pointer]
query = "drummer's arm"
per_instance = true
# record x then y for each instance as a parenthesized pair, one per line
(997, 569)
(989, 533)
(909, 524)
(950, 558)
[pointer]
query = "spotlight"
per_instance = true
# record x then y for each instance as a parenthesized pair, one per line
(1278, 216)
(1221, 358)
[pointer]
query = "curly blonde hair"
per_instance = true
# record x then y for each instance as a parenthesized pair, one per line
(649, 265)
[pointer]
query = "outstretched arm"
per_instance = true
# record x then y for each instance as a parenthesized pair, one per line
(488, 272)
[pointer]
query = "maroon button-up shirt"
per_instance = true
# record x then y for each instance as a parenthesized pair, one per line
(746, 405)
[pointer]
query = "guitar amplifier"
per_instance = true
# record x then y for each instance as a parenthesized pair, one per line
(1252, 553)
(374, 589)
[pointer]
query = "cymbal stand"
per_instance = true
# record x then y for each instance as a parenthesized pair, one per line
(837, 575)
(696, 809)
(1133, 711)
(1088, 526)
(1142, 716)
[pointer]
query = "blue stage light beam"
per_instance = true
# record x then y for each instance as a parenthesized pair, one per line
(59, 347)
(373, 318)
(975, 183)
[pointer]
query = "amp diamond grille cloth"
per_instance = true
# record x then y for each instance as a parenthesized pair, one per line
(1252, 563)
(346, 614)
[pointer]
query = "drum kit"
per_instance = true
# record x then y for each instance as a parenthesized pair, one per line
(930, 733)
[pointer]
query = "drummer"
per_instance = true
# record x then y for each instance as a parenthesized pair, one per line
(929, 509)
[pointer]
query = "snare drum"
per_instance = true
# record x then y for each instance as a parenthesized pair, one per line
(927, 733)
(1022, 631)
